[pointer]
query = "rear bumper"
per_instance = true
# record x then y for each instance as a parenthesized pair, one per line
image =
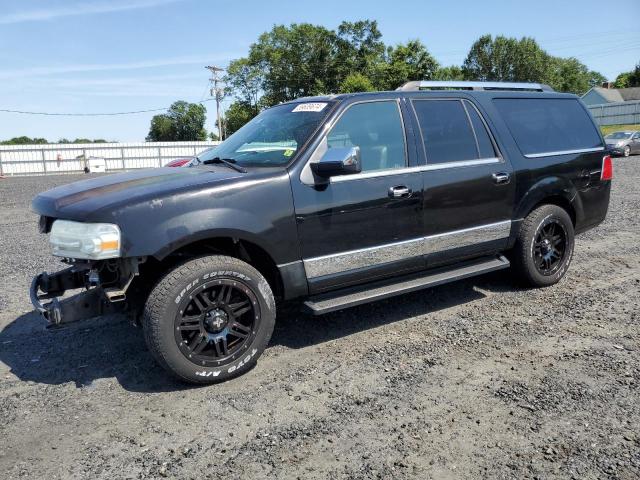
(616, 150)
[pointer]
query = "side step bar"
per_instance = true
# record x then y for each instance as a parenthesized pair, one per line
(350, 297)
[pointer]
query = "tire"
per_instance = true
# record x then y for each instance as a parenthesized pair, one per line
(223, 304)
(627, 151)
(532, 254)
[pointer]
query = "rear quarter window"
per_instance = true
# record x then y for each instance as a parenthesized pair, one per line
(548, 125)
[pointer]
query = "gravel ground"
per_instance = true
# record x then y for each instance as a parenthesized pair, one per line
(476, 379)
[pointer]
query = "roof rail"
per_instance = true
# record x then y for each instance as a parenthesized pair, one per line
(456, 85)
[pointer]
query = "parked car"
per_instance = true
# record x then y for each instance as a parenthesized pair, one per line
(187, 161)
(180, 162)
(331, 202)
(623, 143)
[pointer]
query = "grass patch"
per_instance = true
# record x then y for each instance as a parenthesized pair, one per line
(607, 129)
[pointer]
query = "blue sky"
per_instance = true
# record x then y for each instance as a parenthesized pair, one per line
(123, 55)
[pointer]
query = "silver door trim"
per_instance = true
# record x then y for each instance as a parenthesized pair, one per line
(422, 168)
(392, 252)
(564, 152)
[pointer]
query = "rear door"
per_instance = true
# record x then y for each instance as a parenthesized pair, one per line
(468, 184)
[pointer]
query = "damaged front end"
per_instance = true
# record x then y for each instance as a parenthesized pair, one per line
(105, 284)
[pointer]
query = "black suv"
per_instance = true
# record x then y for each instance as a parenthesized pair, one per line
(335, 201)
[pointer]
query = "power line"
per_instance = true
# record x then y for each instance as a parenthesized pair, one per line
(107, 114)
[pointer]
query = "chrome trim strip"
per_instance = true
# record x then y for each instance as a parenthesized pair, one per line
(461, 163)
(353, 259)
(288, 264)
(564, 152)
(393, 252)
(422, 168)
(467, 237)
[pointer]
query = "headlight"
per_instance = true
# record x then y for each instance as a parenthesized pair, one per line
(93, 241)
(619, 144)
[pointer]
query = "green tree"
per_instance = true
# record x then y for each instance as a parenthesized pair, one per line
(449, 73)
(405, 62)
(183, 122)
(570, 75)
(295, 61)
(356, 82)
(24, 140)
(634, 77)
(161, 129)
(244, 80)
(359, 48)
(237, 115)
(622, 80)
(513, 60)
(628, 79)
(506, 59)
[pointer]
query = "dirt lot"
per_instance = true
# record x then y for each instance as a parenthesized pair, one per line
(477, 379)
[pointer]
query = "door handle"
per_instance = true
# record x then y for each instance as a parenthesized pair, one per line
(501, 178)
(399, 191)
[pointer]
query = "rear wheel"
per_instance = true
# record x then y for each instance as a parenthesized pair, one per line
(544, 246)
(209, 319)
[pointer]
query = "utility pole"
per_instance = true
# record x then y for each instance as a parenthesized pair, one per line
(216, 92)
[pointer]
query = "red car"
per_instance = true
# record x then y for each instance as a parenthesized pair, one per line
(181, 162)
(186, 161)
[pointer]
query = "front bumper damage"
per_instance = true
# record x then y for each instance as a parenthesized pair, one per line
(95, 300)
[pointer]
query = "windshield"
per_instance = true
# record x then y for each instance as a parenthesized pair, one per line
(273, 137)
(618, 135)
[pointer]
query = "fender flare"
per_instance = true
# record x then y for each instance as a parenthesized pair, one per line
(236, 234)
(550, 188)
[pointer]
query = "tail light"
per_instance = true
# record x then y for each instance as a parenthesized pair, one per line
(607, 168)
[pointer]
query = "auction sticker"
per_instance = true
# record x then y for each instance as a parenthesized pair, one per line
(310, 107)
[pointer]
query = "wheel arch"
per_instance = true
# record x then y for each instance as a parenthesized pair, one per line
(237, 244)
(555, 191)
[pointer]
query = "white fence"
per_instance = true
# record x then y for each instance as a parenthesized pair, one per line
(52, 159)
(618, 113)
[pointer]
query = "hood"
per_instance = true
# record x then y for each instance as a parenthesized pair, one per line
(86, 199)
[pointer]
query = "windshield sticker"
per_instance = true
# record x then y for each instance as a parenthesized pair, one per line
(288, 152)
(309, 107)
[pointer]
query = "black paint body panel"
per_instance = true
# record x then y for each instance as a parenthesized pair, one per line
(161, 210)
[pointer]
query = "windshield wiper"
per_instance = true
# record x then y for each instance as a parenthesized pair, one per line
(229, 162)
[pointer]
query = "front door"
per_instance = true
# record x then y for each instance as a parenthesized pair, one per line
(468, 185)
(363, 226)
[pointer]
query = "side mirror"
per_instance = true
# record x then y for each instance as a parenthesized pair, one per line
(338, 161)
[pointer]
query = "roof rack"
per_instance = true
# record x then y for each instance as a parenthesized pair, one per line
(445, 85)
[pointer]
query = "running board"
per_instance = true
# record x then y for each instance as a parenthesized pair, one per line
(350, 297)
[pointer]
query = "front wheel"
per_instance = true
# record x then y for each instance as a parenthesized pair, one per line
(544, 246)
(209, 319)
(627, 151)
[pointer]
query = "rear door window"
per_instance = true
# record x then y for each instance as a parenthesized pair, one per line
(452, 131)
(543, 126)
(446, 131)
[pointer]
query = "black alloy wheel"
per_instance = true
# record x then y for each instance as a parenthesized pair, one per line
(549, 246)
(544, 246)
(217, 322)
(209, 319)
